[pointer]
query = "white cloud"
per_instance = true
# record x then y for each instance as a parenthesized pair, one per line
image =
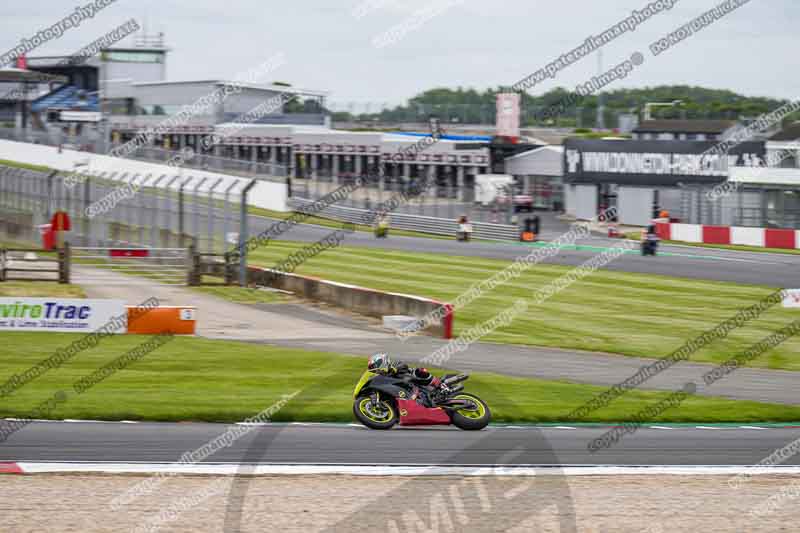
(477, 44)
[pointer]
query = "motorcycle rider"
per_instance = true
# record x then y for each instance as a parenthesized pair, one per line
(381, 362)
(649, 240)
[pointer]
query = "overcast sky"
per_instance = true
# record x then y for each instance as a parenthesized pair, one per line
(471, 43)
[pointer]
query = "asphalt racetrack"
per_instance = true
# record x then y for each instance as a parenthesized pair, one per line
(314, 444)
(757, 268)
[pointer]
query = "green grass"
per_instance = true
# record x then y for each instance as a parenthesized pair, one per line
(737, 247)
(199, 379)
(8, 243)
(26, 166)
(239, 295)
(617, 312)
(36, 289)
(39, 289)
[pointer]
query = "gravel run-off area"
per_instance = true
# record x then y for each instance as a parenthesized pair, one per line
(652, 504)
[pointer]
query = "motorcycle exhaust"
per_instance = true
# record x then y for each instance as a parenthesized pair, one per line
(456, 389)
(456, 379)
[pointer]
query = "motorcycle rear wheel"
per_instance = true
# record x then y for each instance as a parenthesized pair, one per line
(471, 419)
(382, 417)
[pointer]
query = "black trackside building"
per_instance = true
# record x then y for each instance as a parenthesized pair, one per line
(641, 178)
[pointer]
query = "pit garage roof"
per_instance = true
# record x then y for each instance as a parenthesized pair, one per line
(685, 126)
(789, 133)
(542, 161)
(18, 75)
(265, 87)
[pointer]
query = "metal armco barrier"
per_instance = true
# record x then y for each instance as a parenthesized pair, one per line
(437, 226)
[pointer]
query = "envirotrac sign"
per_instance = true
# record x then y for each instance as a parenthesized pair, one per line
(62, 315)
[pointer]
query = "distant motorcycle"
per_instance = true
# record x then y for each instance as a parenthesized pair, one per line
(650, 241)
(650, 246)
(380, 401)
(381, 227)
(464, 232)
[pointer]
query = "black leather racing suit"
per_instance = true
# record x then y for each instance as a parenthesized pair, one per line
(428, 384)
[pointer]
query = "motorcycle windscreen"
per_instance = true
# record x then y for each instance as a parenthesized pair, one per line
(414, 414)
(365, 377)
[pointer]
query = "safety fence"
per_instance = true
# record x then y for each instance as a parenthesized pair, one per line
(189, 157)
(130, 266)
(225, 266)
(30, 264)
(117, 266)
(118, 209)
(425, 224)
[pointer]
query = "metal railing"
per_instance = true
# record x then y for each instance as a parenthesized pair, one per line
(438, 201)
(424, 224)
(103, 266)
(187, 157)
(166, 211)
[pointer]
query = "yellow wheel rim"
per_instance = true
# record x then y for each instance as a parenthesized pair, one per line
(476, 413)
(382, 415)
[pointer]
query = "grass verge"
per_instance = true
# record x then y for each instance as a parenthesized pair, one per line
(616, 312)
(39, 289)
(239, 295)
(36, 289)
(737, 247)
(220, 381)
(25, 166)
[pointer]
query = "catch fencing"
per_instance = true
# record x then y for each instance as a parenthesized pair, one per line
(156, 211)
(188, 157)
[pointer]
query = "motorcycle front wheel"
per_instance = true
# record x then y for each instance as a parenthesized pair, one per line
(476, 416)
(380, 416)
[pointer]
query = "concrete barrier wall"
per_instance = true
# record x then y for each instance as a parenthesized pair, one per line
(368, 302)
(266, 194)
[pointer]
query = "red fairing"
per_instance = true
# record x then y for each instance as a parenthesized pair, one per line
(418, 415)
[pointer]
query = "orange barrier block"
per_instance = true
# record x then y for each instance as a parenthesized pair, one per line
(175, 320)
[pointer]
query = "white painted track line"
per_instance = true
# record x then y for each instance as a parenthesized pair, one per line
(229, 469)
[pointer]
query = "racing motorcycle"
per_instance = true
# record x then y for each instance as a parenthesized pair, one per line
(380, 401)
